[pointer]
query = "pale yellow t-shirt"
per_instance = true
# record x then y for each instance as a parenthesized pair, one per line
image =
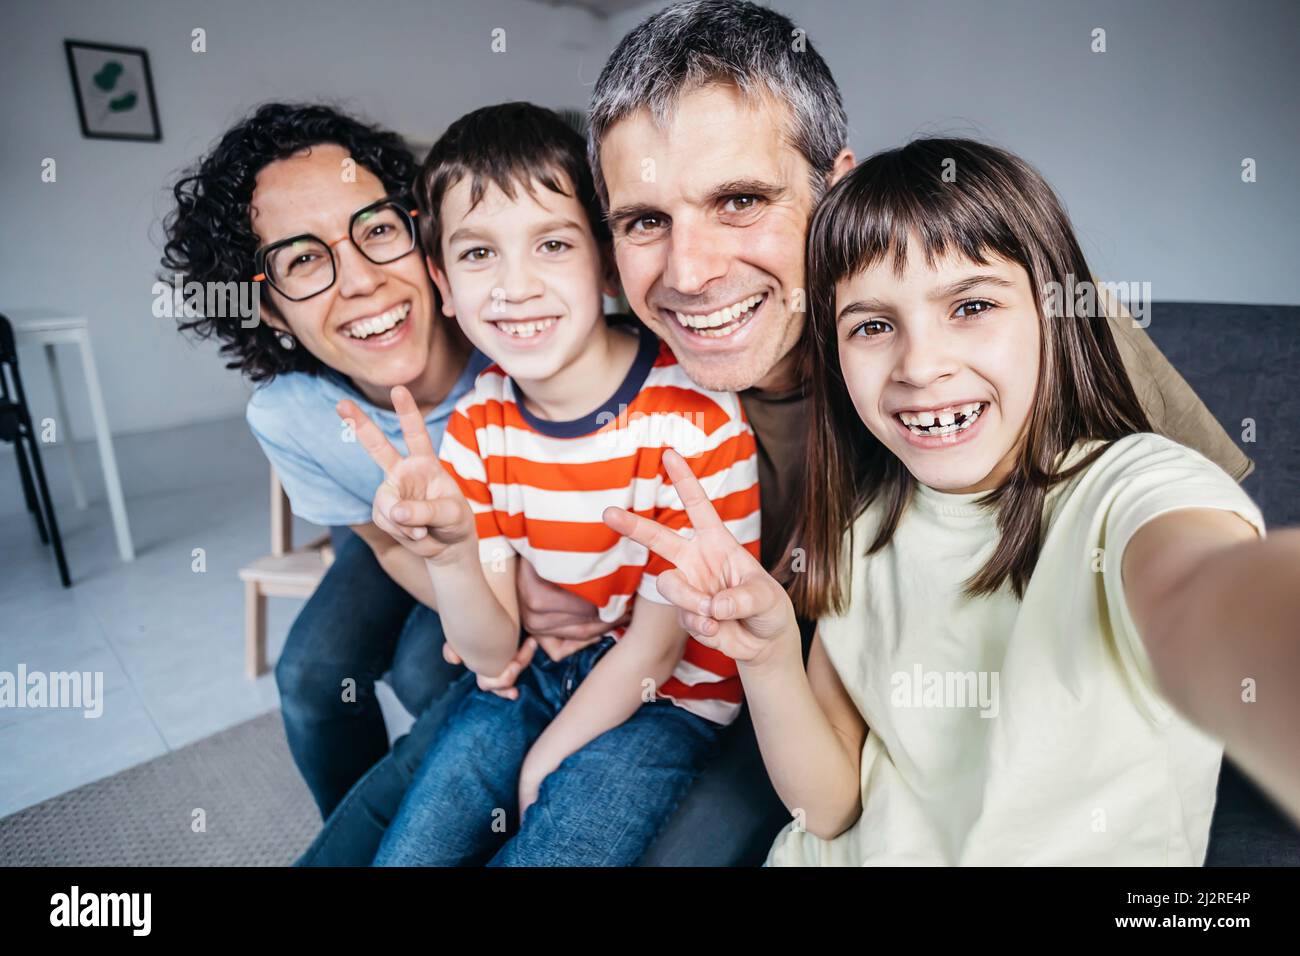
(1009, 732)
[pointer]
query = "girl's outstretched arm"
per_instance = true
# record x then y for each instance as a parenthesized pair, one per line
(1219, 614)
(809, 731)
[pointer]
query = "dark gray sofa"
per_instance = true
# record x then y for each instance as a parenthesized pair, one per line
(1244, 363)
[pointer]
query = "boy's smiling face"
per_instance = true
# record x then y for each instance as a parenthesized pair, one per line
(522, 276)
(941, 362)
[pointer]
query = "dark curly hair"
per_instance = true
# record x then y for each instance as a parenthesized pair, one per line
(210, 236)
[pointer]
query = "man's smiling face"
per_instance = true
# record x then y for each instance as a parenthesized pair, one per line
(709, 213)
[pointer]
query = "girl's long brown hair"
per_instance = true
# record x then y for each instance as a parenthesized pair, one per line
(995, 205)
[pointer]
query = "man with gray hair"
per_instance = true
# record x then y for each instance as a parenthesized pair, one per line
(715, 128)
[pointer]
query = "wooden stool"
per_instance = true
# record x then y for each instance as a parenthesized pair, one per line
(282, 573)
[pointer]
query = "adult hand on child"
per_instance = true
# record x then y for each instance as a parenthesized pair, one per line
(724, 597)
(556, 620)
(560, 621)
(419, 503)
(503, 685)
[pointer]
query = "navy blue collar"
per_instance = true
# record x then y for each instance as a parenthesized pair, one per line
(610, 410)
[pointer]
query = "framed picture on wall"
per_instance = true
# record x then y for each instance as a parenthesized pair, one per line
(114, 91)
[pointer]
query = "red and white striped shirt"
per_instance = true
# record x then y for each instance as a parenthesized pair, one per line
(538, 488)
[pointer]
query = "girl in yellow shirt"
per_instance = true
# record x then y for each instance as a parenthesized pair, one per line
(1038, 623)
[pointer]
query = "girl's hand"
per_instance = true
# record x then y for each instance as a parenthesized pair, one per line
(419, 504)
(725, 599)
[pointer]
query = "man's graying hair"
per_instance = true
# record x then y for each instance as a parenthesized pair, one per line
(692, 44)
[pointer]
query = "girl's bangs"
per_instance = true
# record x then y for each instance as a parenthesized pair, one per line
(881, 210)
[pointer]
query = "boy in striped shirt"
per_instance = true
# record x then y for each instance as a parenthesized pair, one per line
(574, 416)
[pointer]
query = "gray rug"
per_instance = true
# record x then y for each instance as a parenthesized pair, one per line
(258, 810)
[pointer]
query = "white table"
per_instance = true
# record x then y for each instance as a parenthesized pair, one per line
(50, 328)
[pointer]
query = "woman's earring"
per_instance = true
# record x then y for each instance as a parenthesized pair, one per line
(287, 341)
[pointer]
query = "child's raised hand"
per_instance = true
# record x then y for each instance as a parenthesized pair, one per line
(724, 597)
(419, 504)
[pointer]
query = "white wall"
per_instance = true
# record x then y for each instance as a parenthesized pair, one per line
(1144, 141)
(90, 241)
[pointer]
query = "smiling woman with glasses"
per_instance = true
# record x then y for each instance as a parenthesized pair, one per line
(348, 311)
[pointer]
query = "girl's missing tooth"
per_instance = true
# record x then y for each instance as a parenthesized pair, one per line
(924, 300)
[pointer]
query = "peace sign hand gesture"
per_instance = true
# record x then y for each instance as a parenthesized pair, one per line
(724, 597)
(419, 504)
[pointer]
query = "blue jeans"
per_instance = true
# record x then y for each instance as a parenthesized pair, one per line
(358, 625)
(729, 817)
(602, 806)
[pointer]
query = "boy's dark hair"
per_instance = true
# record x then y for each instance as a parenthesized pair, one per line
(509, 145)
(210, 237)
(997, 206)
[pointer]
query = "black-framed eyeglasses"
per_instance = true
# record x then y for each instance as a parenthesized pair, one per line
(303, 266)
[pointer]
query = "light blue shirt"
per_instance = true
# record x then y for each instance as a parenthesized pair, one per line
(329, 478)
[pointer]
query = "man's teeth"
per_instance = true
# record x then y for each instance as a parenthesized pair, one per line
(380, 324)
(944, 421)
(722, 322)
(525, 330)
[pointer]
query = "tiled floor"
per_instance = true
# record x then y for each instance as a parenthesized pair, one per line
(168, 640)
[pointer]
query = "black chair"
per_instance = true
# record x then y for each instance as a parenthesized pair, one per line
(16, 427)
